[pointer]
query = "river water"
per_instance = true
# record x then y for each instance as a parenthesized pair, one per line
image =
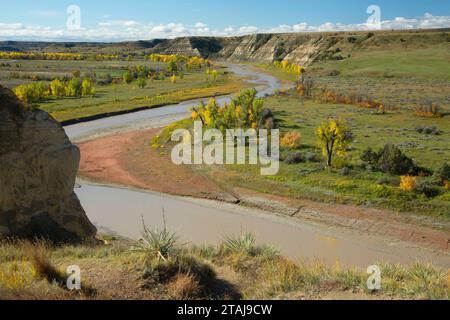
(120, 210)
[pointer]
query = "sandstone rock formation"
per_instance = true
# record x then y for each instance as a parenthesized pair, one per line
(301, 48)
(38, 166)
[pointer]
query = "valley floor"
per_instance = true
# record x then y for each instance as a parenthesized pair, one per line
(128, 160)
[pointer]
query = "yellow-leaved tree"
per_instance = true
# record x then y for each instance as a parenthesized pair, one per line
(334, 138)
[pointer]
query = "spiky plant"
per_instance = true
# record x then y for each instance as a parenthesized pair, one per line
(243, 243)
(157, 243)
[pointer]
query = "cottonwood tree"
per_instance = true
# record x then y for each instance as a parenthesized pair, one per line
(334, 138)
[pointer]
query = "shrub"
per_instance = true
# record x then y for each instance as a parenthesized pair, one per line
(390, 160)
(141, 83)
(32, 93)
(57, 88)
(447, 185)
(429, 110)
(167, 271)
(371, 157)
(243, 244)
(429, 130)
(389, 181)
(408, 183)
(294, 158)
(87, 88)
(291, 140)
(157, 243)
(127, 77)
(74, 88)
(428, 190)
(345, 171)
(245, 111)
(312, 157)
(442, 175)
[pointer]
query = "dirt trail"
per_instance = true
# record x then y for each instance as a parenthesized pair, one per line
(128, 160)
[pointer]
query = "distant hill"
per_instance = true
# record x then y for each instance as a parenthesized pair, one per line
(300, 48)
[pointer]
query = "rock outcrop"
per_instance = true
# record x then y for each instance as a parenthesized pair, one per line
(301, 48)
(38, 166)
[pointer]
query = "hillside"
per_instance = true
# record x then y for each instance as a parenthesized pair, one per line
(300, 48)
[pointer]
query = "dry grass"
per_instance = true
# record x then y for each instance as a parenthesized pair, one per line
(28, 271)
(39, 255)
(184, 287)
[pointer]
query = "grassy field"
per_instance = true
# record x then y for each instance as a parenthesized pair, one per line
(110, 98)
(235, 269)
(127, 97)
(401, 78)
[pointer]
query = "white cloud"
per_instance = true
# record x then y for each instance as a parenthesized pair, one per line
(119, 30)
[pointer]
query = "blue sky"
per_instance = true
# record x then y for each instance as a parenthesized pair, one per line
(139, 19)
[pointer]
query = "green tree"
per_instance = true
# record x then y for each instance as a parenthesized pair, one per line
(141, 83)
(57, 88)
(334, 138)
(87, 88)
(74, 88)
(32, 93)
(127, 77)
(172, 67)
(214, 74)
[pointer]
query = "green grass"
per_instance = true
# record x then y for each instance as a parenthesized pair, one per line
(429, 63)
(359, 187)
(119, 97)
(128, 97)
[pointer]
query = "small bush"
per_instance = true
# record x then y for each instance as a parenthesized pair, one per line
(243, 244)
(184, 287)
(312, 157)
(429, 110)
(408, 183)
(389, 182)
(429, 130)
(447, 185)
(390, 160)
(166, 271)
(141, 83)
(291, 140)
(157, 243)
(428, 190)
(294, 158)
(443, 174)
(345, 171)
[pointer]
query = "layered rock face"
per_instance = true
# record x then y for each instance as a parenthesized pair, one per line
(38, 166)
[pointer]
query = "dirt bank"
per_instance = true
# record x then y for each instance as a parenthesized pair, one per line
(128, 160)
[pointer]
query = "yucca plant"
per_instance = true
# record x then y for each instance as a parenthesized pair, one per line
(243, 243)
(157, 243)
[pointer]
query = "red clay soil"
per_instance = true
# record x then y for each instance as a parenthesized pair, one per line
(128, 159)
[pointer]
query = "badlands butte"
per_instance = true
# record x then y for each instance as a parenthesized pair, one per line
(299, 48)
